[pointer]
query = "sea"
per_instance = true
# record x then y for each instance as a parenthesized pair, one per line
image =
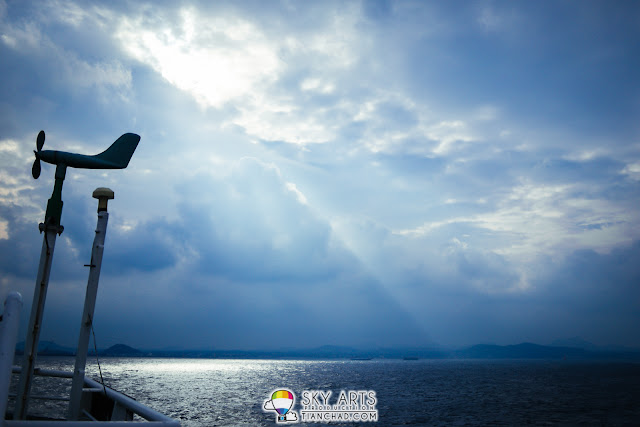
(449, 392)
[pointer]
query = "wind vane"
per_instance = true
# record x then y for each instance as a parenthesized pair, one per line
(117, 156)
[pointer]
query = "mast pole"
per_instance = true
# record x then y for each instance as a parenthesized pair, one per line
(103, 195)
(117, 156)
(51, 228)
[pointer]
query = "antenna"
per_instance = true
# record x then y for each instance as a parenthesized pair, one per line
(117, 156)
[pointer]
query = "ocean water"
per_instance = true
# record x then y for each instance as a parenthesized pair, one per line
(217, 392)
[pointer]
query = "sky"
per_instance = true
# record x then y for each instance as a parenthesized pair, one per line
(358, 173)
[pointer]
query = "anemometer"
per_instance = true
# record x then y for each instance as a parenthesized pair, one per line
(117, 156)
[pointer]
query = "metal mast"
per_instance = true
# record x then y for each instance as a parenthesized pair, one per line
(51, 228)
(117, 156)
(103, 195)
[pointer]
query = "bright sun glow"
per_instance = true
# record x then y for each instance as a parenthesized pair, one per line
(213, 60)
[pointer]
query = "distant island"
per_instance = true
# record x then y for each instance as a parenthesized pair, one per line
(479, 351)
(120, 350)
(50, 348)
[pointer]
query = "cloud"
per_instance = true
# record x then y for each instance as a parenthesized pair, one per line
(149, 246)
(268, 405)
(388, 172)
(538, 218)
(632, 170)
(69, 68)
(239, 60)
(20, 243)
(55, 65)
(214, 59)
(252, 224)
(593, 292)
(14, 181)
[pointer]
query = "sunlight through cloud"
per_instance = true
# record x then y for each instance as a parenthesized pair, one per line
(214, 60)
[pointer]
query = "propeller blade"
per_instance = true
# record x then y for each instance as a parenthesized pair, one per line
(40, 140)
(35, 169)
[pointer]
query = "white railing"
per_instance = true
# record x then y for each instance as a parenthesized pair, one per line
(124, 407)
(8, 335)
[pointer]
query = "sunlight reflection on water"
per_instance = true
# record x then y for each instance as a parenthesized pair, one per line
(222, 392)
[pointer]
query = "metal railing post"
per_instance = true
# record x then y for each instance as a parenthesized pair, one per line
(8, 335)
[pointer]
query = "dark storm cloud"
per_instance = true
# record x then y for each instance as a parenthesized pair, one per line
(595, 292)
(151, 246)
(17, 253)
